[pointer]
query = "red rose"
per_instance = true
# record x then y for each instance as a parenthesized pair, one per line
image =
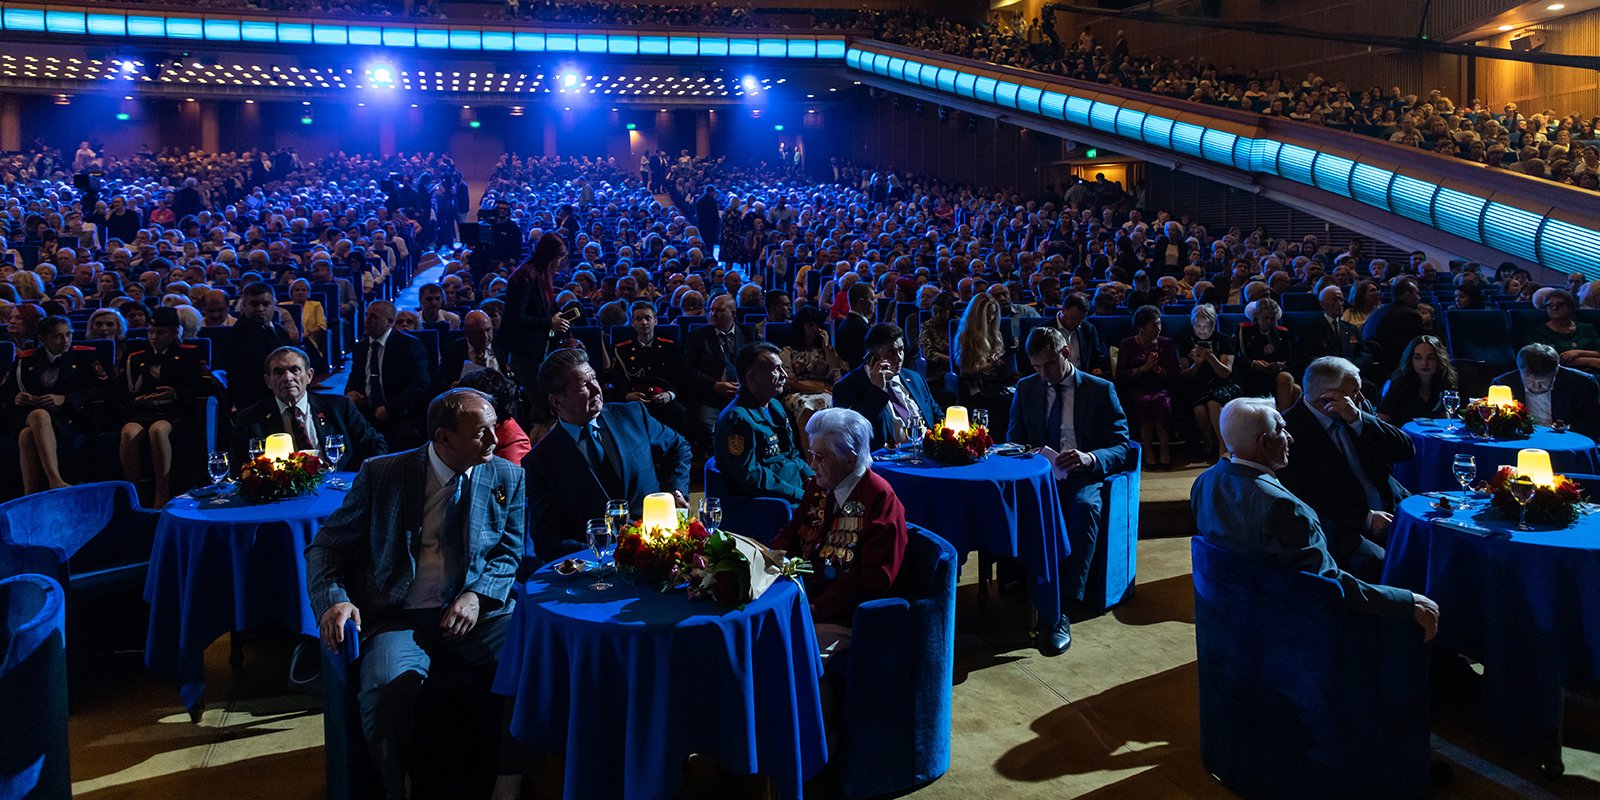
(697, 531)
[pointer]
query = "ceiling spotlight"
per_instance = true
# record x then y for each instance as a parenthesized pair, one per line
(1555, 6)
(569, 79)
(382, 76)
(750, 83)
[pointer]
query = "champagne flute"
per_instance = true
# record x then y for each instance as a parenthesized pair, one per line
(217, 466)
(711, 513)
(602, 542)
(258, 446)
(617, 515)
(1522, 490)
(1465, 468)
(332, 451)
(1452, 401)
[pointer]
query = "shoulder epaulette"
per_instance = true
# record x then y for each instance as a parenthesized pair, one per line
(188, 347)
(27, 353)
(84, 348)
(663, 340)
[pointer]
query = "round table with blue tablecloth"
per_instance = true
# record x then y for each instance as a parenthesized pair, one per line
(1522, 603)
(628, 682)
(1437, 446)
(1002, 505)
(227, 565)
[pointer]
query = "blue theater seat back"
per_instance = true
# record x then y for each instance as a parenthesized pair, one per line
(33, 690)
(81, 536)
(760, 518)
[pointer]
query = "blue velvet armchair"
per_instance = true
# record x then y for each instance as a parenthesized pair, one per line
(33, 690)
(1299, 696)
(1116, 559)
(902, 658)
(85, 537)
(756, 517)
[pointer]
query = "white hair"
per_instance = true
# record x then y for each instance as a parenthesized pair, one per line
(1328, 372)
(845, 433)
(1245, 419)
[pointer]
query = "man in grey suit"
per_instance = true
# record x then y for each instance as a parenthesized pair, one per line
(1077, 414)
(422, 556)
(1240, 505)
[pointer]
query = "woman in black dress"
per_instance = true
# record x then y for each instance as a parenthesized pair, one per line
(530, 320)
(1416, 390)
(1205, 371)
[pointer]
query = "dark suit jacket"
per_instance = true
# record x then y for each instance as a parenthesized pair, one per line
(1575, 398)
(331, 414)
(1393, 326)
(525, 328)
(1094, 357)
(407, 376)
(364, 553)
(564, 492)
(451, 359)
(244, 356)
(851, 340)
(1319, 340)
(707, 364)
(856, 392)
(1097, 420)
(1251, 512)
(1319, 474)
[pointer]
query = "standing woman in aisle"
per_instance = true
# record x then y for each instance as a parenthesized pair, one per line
(530, 319)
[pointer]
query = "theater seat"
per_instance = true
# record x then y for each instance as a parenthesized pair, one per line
(1299, 696)
(1116, 560)
(84, 537)
(33, 690)
(756, 517)
(901, 660)
(1480, 345)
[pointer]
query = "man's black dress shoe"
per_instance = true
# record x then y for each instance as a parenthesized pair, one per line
(1057, 641)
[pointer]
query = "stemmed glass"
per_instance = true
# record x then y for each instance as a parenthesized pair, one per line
(332, 451)
(1452, 401)
(217, 466)
(1465, 468)
(1522, 489)
(1486, 413)
(258, 446)
(711, 513)
(602, 541)
(617, 515)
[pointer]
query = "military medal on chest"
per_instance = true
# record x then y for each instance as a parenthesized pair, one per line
(839, 543)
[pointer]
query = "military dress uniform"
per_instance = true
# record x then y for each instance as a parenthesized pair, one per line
(76, 374)
(648, 369)
(855, 547)
(757, 451)
(180, 367)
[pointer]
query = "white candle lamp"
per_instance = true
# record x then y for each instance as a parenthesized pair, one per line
(955, 419)
(660, 513)
(279, 446)
(1500, 396)
(1535, 464)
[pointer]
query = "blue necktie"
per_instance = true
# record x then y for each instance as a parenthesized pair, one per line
(1057, 409)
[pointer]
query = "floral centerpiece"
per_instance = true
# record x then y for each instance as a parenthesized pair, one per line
(1508, 420)
(1554, 502)
(674, 553)
(953, 442)
(266, 479)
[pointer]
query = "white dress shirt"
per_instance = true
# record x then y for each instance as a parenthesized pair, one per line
(841, 493)
(374, 367)
(1069, 434)
(305, 413)
(427, 590)
(1539, 405)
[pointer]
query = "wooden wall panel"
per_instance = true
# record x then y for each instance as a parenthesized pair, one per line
(1535, 88)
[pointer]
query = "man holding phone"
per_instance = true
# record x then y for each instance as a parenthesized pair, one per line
(1077, 415)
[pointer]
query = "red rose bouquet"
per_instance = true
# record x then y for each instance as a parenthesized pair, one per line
(1504, 422)
(952, 449)
(1555, 505)
(265, 480)
(715, 566)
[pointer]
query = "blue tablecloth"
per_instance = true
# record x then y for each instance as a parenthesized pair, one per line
(1003, 505)
(1522, 603)
(1436, 447)
(628, 682)
(220, 567)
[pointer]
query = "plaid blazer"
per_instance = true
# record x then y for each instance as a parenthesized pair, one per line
(366, 553)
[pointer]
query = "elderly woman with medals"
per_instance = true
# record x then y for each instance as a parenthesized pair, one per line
(849, 525)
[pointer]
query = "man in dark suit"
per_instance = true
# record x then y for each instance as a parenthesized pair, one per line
(309, 418)
(1241, 505)
(1394, 325)
(1083, 339)
(422, 557)
(1079, 416)
(1349, 453)
(887, 395)
(710, 352)
(850, 342)
(1552, 392)
(187, 201)
(472, 351)
(648, 369)
(248, 342)
(390, 377)
(595, 452)
(1333, 336)
(708, 218)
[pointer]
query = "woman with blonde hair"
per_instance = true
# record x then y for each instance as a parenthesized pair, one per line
(982, 363)
(29, 289)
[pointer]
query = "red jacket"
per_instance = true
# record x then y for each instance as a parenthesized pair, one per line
(860, 544)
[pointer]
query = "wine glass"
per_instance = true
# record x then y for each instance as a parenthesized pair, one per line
(1465, 468)
(711, 513)
(217, 466)
(258, 446)
(617, 515)
(1486, 413)
(1452, 401)
(602, 541)
(1522, 489)
(980, 418)
(332, 451)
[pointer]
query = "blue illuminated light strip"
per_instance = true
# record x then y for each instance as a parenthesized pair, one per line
(71, 20)
(1531, 236)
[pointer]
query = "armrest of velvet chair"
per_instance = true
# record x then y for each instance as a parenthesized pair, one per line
(758, 517)
(345, 748)
(50, 528)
